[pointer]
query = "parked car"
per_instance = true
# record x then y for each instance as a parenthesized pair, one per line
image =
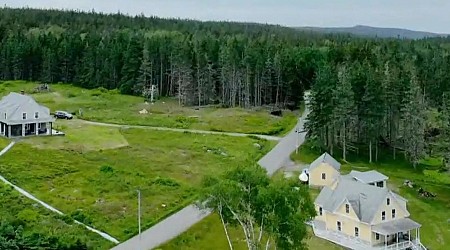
(63, 115)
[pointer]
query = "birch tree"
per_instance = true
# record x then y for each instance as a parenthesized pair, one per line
(268, 212)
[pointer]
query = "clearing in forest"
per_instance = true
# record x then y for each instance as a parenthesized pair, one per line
(109, 106)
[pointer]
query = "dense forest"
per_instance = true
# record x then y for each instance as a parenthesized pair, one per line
(366, 93)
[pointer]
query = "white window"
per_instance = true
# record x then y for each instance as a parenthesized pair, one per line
(383, 215)
(36, 115)
(393, 213)
(356, 232)
(324, 176)
(347, 208)
(24, 116)
(339, 226)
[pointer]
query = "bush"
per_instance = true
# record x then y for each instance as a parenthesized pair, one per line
(28, 215)
(106, 169)
(81, 217)
(71, 95)
(168, 182)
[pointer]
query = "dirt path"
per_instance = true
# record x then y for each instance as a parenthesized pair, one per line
(30, 196)
(195, 131)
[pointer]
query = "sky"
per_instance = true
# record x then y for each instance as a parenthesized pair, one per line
(423, 15)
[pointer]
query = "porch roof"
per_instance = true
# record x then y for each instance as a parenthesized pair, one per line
(396, 226)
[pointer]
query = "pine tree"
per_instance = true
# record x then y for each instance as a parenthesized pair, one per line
(145, 80)
(413, 119)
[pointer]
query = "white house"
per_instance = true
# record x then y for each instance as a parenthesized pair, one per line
(21, 115)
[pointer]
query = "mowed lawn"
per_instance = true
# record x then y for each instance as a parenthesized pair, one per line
(93, 173)
(19, 210)
(432, 213)
(111, 107)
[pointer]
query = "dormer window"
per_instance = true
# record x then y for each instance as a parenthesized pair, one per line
(36, 115)
(24, 116)
(347, 208)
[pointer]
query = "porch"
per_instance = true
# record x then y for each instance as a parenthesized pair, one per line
(26, 129)
(398, 234)
(351, 242)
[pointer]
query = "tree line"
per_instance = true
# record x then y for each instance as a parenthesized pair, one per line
(366, 93)
(391, 95)
(199, 63)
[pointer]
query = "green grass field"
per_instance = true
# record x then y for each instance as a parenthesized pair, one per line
(432, 213)
(93, 173)
(209, 234)
(111, 107)
(16, 209)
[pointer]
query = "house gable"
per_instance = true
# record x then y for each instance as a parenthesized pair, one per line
(323, 175)
(394, 203)
(342, 210)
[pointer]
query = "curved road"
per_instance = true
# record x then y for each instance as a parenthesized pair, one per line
(181, 221)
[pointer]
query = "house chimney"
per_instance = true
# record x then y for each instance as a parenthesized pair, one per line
(22, 92)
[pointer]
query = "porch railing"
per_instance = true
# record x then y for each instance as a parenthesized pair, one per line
(415, 244)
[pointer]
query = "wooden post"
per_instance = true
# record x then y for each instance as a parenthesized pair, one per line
(23, 129)
(36, 128)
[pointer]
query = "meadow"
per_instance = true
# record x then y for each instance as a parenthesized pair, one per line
(93, 173)
(109, 106)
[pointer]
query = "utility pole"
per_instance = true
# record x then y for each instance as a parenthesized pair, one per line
(139, 217)
(297, 131)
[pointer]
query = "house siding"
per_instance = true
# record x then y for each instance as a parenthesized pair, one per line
(315, 175)
(395, 204)
(348, 225)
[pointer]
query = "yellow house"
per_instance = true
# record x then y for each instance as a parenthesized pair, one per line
(360, 215)
(323, 171)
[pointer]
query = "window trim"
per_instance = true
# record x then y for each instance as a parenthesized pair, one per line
(393, 213)
(347, 208)
(383, 215)
(24, 116)
(377, 236)
(324, 176)
(339, 226)
(320, 211)
(356, 232)
(388, 201)
(36, 115)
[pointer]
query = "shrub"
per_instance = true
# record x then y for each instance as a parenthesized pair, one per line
(71, 95)
(28, 215)
(168, 182)
(106, 169)
(81, 217)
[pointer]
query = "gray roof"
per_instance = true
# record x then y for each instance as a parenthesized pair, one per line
(365, 199)
(395, 226)
(368, 176)
(325, 158)
(14, 105)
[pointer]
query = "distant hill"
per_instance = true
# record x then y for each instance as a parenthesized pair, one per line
(368, 31)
